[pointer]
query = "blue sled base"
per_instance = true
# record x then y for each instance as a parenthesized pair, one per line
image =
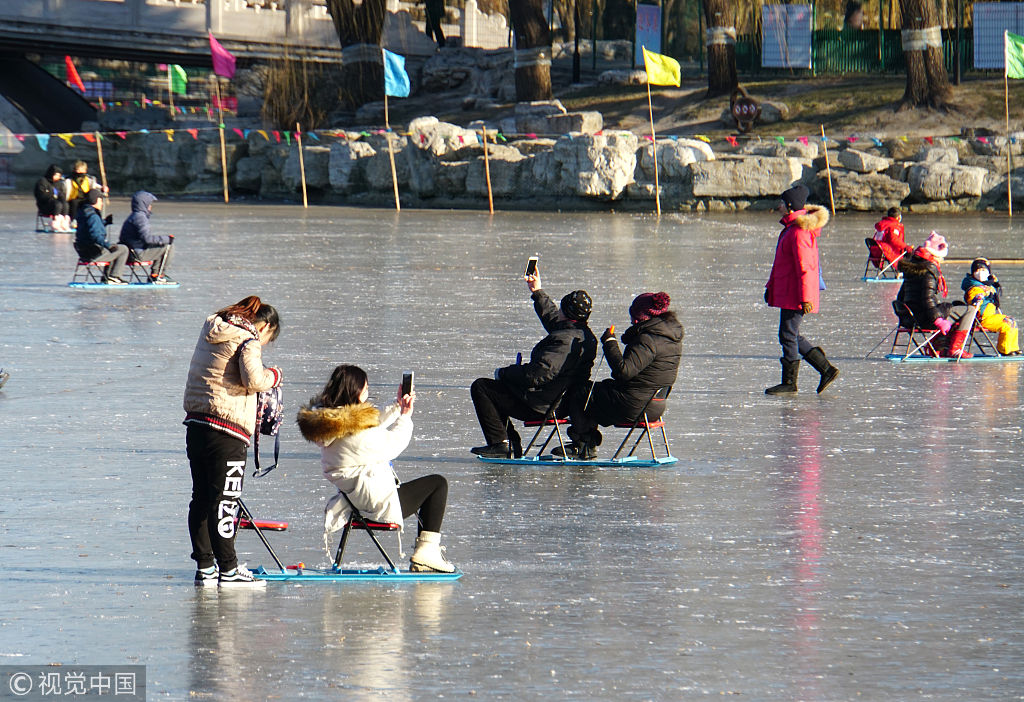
(881, 280)
(897, 358)
(549, 461)
(132, 286)
(331, 575)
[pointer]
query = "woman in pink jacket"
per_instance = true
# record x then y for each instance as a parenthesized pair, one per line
(793, 287)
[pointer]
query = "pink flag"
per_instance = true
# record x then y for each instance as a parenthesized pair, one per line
(223, 61)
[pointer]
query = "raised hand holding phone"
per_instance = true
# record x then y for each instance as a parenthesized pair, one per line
(531, 276)
(406, 398)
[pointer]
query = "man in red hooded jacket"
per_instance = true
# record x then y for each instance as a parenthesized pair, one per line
(793, 287)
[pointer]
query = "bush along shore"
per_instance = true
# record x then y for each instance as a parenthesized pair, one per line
(553, 160)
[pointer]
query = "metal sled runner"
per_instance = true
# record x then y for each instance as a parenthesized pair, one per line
(335, 573)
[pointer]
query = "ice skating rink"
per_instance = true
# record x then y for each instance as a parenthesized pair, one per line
(861, 544)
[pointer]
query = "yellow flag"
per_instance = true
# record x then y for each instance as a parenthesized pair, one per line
(661, 69)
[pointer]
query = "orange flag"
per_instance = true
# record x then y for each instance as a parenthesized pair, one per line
(73, 76)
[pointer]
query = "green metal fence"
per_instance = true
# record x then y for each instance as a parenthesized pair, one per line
(836, 52)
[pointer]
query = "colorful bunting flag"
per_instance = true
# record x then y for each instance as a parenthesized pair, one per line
(396, 80)
(732, 141)
(170, 134)
(802, 140)
(1013, 55)
(67, 138)
(89, 138)
(661, 69)
(44, 141)
(193, 132)
(179, 79)
(223, 61)
(72, 74)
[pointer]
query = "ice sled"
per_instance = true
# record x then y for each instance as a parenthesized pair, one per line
(91, 274)
(914, 344)
(336, 574)
(641, 423)
(884, 270)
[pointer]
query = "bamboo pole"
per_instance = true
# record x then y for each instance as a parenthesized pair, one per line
(302, 163)
(828, 173)
(391, 154)
(103, 169)
(170, 92)
(654, 145)
(487, 171)
(1006, 102)
(220, 130)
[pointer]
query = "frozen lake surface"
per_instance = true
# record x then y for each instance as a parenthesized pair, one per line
(861, 544)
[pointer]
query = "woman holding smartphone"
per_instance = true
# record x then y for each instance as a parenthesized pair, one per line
(357, 444)
(224, 377)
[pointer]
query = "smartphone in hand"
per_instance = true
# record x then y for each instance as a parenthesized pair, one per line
(406, 383)
(531, 266)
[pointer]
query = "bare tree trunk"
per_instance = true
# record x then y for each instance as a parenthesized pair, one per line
(533, 67)
(927, 80)
(362, 80)
(721, 56)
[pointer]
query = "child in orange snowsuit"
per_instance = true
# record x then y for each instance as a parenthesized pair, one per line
(981, 288)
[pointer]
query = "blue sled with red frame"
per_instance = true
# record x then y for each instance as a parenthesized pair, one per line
(549, 461)
(335, 574)
(126, 286)
(899, 358)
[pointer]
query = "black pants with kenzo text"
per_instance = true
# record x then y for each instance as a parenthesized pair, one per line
(218, 466)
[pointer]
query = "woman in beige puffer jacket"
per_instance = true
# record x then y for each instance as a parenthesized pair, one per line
(224, 377)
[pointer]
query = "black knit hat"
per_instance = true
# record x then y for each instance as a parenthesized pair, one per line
(980, 263)
(577, 305)
(93, 196)
(796, 197)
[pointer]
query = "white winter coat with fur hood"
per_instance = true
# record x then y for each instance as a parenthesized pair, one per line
(357, 444)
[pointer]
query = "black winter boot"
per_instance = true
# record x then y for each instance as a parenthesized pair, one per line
(816, 357)
(790, 370)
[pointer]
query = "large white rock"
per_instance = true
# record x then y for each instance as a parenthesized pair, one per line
(937, 180)
(345, 168)
(315, 160)
(439, 138)
(863, 162)
(504, 164)
(597, 165)
(865, 192)
(938, 154)
(747, 177)
(673, 157)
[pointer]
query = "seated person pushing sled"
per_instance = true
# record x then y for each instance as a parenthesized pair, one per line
(889, 244)
(982, 288)
(144, 244)
(650, 362)
(560, 360)
(357, 444)
(91, 238)
(923, 284)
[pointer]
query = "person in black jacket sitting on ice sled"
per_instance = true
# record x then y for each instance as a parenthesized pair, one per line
(650, 361)
(562, 358)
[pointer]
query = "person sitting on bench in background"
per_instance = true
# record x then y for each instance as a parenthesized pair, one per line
(654, 345)
(91, 239)
(51, 200)
(357, 444)
(147, 246)
(562, 359)
(923, 284)
(889, 236)
(981, 288)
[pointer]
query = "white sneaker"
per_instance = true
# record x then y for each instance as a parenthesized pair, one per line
(240, 576)
(206, 577)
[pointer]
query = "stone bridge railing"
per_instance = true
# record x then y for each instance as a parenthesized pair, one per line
(248, 28)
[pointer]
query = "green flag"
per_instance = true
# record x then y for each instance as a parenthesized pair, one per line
(179, 81)
(1013, 52)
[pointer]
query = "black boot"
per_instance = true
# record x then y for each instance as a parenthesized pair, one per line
(816, 357)
(790, 369)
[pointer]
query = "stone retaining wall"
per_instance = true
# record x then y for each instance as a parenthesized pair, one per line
(442, 165)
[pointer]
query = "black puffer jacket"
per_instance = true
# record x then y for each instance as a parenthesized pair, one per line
(562, 358)
(650, 361)
(920, 291)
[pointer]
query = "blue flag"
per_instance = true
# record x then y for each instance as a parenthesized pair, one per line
(396, 80)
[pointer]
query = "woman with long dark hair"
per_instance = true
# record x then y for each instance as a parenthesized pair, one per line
(224, 377)
(357, 444)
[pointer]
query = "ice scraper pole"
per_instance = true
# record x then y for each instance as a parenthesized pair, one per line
(594, 382)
